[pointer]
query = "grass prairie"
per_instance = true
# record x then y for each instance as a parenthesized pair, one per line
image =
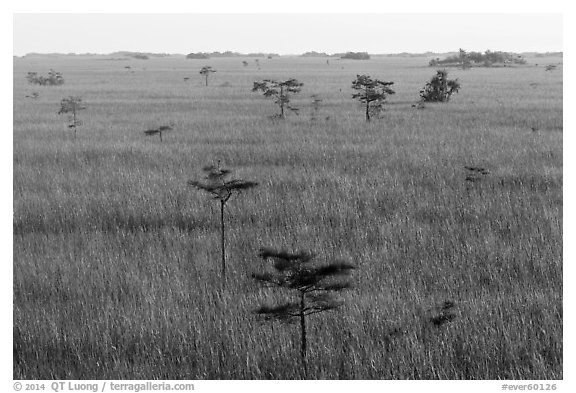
(116, 259)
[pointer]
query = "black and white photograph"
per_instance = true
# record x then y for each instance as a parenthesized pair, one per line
(294, 196)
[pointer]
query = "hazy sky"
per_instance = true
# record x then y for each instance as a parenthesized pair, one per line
(285, 33)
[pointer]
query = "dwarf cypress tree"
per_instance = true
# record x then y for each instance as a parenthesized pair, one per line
(206, 71)
(372, 93)
(314, 287)
(221, 188)
(158, 131)
(72, 105)
(280, 91)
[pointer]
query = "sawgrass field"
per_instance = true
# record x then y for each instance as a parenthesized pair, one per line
(117, 259)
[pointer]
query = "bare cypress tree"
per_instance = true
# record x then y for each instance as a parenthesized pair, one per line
(372, 93)
(217, 185)
(280, 91)
(206, 71)
(314, 286)
(72, 105)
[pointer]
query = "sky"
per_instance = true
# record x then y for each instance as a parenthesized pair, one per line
(285, 33)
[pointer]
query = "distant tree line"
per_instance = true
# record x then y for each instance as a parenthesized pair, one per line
(486, 59)
(139, 55)
(549, 54)
(206, 55)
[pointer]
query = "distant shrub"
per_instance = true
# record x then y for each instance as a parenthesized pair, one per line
(140, 56)
(356, 56)
(198, 55)
(314, 54)
(440, 88)
(54, 78)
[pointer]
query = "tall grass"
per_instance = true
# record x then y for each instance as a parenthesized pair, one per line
(116, 260)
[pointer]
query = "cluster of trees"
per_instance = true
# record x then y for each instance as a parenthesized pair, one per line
(314, 54)
(355, 56)
(372, 93)
(468, 59)
(198, 55)
(54, 78)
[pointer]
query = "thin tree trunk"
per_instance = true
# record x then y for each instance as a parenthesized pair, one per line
(206, 79)
(281, 101)
(160, 133)
(303, 333)
(74, 120)
(222, 242)
(367, 106)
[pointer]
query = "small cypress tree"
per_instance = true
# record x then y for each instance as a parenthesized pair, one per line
(219, 187)
(314, 285)
(158, 131)
(440, 88)
(206, 71)
(372, 93)
(280, 91)
(316, 101)
(72, 105)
